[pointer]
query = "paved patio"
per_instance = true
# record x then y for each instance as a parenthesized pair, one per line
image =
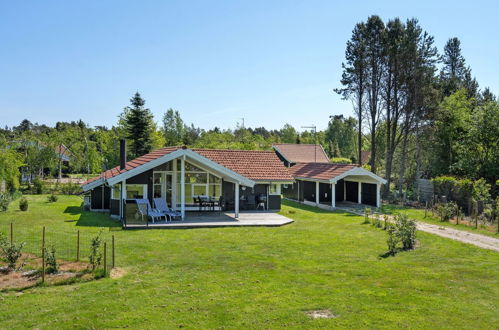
(224, 219)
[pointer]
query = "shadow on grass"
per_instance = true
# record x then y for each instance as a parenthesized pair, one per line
(313, 209)
(90, 219)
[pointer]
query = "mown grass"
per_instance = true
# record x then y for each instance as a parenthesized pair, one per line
(419, 215)
(262, 277)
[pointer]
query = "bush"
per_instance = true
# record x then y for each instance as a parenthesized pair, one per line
(392, 240)
(341, 160)
(406, 231)
(367, 212)
(95, 256)
(38, 186)
(52, 198)
(23, 204)
(4, 202)
(70, 188)
(376, 222)
(10, 253)
(446, 211)
(51, 261)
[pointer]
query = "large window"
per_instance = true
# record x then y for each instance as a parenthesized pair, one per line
(134, 191)
(198, 182)
(116, 191)
(275, 189)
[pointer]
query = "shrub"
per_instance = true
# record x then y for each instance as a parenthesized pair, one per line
(38, 186)
(446, 211)
(95, 257)
(51, 261)
(52, 198)
(10, 253)
(406, 231)
(367, 212)
(70, 188)
(4, 202)
(341, 160)
(481, 190)
(385, 219)
(392, 240)
(23, 204)
(376, 221)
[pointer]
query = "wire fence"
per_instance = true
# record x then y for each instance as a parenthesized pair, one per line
(68, 244)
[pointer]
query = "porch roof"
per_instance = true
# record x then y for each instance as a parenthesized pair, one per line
(246, 166)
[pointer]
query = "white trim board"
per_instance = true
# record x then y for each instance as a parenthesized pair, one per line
(358, 171)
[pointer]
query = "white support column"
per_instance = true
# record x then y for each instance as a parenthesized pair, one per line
(360, 193)
(333, 195)
(317, 193)
(236, 200)
(174, 185)
(182, 187)
(378, 195)
(122, 199)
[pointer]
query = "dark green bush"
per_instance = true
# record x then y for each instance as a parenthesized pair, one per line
(52, 198)
(70, 188)
(23, 204)
(4, 202)
(38, 186)
(406, 231)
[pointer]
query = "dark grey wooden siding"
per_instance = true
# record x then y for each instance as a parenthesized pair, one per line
(96, 198)
(352, 191)
(369, 194)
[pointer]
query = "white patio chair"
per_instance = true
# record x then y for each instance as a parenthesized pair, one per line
(145, 209)
(162, 206)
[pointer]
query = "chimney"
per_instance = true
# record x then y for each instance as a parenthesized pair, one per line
(122, 154)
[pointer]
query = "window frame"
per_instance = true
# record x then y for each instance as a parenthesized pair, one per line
(277, 190)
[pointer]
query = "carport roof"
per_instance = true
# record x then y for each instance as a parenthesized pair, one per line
(330, 172)
(319, 171)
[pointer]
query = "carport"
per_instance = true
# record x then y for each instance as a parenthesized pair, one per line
(327, 184)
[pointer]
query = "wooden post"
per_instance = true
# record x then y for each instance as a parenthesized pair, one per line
(78, 246)
(113, 252)
(43, 255)
(105, 259)
(11, 233)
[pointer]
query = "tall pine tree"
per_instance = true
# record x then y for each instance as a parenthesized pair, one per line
(138, 124)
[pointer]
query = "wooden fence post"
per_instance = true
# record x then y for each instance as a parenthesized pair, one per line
(43, 255)
(78, 246)
(113, 252)
(105, 259)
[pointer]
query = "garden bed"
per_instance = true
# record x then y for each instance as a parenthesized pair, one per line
(29, 274)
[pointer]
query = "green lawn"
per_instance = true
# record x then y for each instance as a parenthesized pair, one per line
(262, 277)
(419, 215)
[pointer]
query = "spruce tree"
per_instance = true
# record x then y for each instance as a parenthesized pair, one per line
(138, 124)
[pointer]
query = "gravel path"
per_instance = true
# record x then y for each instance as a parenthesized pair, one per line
(485, 242)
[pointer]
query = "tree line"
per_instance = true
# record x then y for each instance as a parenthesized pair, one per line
(418, 114)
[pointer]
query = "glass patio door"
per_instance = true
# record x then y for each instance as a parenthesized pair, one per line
(162, 186)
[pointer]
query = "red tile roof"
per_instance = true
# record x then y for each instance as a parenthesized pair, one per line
(319, 171)
(252, 164)
(302, 153)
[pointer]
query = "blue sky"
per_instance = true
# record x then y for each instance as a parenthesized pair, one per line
(271, 62)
